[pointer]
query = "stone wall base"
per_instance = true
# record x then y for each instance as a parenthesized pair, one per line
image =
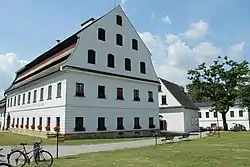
(111, 134)
(29, 132)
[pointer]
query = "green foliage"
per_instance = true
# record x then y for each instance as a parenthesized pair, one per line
(244, 94)
(217, 83)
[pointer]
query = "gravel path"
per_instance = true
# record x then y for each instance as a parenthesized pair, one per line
(73, 150)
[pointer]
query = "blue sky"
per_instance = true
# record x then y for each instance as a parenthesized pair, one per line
(29, 28)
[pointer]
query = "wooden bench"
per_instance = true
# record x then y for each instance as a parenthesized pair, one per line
(184, 136)
(168, 138)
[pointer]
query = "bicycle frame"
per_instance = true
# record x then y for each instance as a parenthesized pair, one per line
(28, 158)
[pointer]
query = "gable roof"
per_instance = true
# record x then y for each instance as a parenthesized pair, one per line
(50, 61)
(179, 94)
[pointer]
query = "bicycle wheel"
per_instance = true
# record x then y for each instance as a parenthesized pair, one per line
(44, 157)
(5, 165)
(17, 158)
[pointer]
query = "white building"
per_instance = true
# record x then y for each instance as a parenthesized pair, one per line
(98, 82)
(2, 113)
(209, 119)
(179, 112)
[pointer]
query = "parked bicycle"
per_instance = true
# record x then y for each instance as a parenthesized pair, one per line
(2, 163)
(19, 157)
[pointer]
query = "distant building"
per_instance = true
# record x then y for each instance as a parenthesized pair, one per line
(179, 112)
(98, 82)
(2, 113)
(234, 116)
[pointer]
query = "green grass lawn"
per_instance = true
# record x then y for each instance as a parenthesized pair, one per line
(231, 150)
(7, 138)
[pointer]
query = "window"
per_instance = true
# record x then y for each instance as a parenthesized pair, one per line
(196, 121)
(34, 98)
(150, 96)
(19, 100)
(101, 34)
(119, 20)
(80, 89)
(48, 121)
(49, 92)
(119, 94)
(40, 121)
(29, 94)
(137, 123)
(101, 91)
(215, 114)
(15, 101)
(142, 68)
(199, 113)
(192, 121)
(119, 39)
(127, 64)
(159, 88)
(41, 94)
(91, 56)
(22, 121)
(231, 113)
(134, 44)
(101, 123)
(17, 121)
(24, 98)
(119, 123)
(27, 123)
(207, 114)
(79, 124)
(151, 122)
(136, 95)
(57, 121)
(59, 90)
(13, 121)
(8, 105)
(11, 102)
(111, 61)
(163, 99)
(34, 121)
(240, 113)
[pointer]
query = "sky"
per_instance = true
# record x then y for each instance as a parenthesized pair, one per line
(179, 34)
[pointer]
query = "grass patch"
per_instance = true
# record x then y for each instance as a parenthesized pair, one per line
(231, 150)
(7, 138)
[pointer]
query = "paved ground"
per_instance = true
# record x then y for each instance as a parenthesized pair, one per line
(73, 150)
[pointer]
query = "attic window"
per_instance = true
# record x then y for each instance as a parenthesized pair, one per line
(91, 56)
(119, 39)
(134, 44)
(127, 64)
(101, 34)
(159, 88)
(163, 99)
(142, 68)
(111, 61)
(119, 20)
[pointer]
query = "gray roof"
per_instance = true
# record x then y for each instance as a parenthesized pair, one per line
(179, 95)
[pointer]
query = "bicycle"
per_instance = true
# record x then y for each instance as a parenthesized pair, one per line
(38, 154)
(2, 163)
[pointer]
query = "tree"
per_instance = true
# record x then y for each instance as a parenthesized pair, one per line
(243, 96)
(218, 83)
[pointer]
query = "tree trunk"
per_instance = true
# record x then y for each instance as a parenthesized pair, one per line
(223, 114)
(248, 111)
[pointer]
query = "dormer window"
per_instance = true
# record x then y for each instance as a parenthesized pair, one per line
(119, 20)
(91, 56)
(119, 39)
(101, 34)
(142, 67)
(134, 44)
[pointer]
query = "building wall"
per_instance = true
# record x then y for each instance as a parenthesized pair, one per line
(206, 122)
(191, 120)
(174, 119)
(89, 40)
(90, 107)
(46, 108)
(2, 109)
(171, 101)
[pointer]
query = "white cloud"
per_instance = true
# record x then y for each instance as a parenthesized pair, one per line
(237, 49)
(9, 64)
(167, 20)
(152, 16)
(197, 30)
(122, 3)
(172, 57)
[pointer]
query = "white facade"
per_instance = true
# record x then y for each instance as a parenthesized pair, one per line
(179, 118)
(234, 116)
(76, 69)
(2, 113)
